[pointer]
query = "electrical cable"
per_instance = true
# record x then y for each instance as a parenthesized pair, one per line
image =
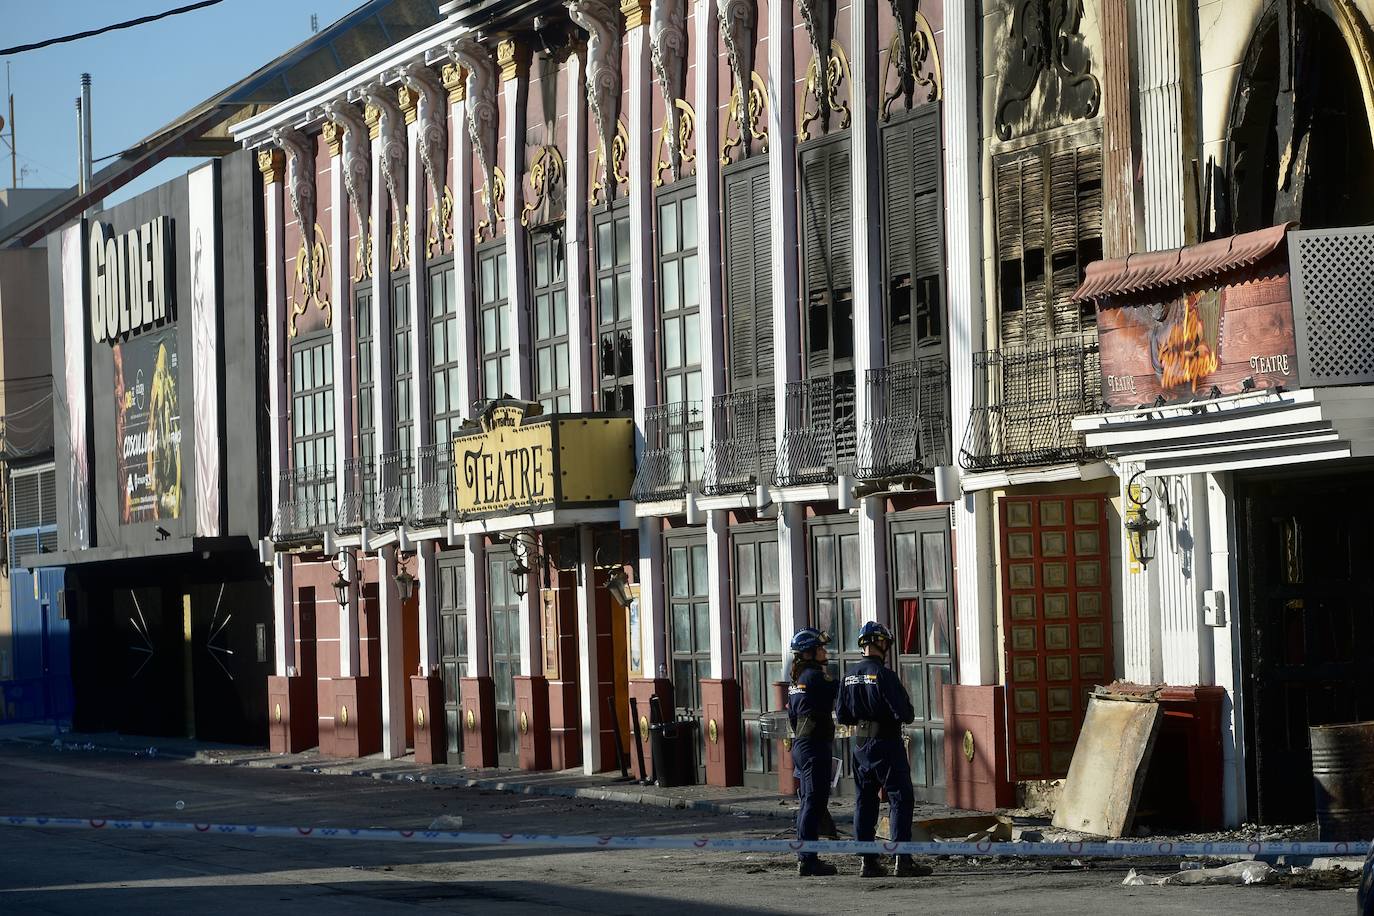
(33, 46)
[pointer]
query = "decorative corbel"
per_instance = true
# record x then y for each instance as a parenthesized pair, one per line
(818, 17)
(300, 175)
(433, 140)
(912, 52)
(357, 155)
(738, 23)
(601, 19)
(668, 45)
(391, 134)
(483, 115)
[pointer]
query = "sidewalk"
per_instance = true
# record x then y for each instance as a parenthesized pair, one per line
(737, 801)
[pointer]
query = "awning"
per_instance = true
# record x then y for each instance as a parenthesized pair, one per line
(1139, 273)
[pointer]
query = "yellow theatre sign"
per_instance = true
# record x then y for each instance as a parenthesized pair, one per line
(516, 460)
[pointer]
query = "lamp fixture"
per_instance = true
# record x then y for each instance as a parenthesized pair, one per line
(1140, 528)
(341, 583)
(525, 547)
(405, 582)
(619, 588)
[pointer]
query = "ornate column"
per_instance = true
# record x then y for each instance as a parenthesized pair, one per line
(514, 60)
(1166, 66)
(581, 320)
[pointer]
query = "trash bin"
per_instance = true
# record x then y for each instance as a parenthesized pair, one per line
(671, 744)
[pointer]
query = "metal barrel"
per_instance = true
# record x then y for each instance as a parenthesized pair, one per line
(1343, 779)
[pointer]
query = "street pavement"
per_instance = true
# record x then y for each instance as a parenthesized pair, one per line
(71, 872)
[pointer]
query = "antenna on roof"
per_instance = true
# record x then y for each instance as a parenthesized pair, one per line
(314, 23)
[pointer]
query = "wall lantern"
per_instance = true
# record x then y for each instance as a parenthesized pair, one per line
(524, 546)
(1140, 528)
(619, 587)
(405, 582)
(341, 583)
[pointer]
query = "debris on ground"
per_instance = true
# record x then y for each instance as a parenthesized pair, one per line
(1244, 873)
(1109, 764)
(450, 822)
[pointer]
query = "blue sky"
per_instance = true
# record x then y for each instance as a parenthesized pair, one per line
(142, 78)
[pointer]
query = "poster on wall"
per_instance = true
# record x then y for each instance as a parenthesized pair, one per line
(1200, 343)
(201, 188)
(74, 374)
(148, 427)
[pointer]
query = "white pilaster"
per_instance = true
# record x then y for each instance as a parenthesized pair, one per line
(341, 338)
(475, 595)
(1140, 635)
(460, 143)
(283, 595)
(975, 603)
(873, 590)
(588, 670)
(394, 680)
(1227, 643)
(651, 600)
(792, 600)
(1183, 573)
(429, 607)
(518, 330)
(384, 435)
(1159, 55)
(782, 212)
(581, 366)
(721, 615)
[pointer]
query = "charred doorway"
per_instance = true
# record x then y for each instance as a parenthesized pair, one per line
(1309, 606)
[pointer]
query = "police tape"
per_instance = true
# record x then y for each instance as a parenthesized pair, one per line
(1108, 849)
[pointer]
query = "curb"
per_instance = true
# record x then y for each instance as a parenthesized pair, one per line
(166, 753)
(590, 793)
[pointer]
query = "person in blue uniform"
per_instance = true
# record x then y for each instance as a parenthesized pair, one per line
(875, 705)
(810, 712)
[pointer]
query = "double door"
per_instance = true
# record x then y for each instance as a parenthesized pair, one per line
(453, 646)
(689, 612)
(505, 653)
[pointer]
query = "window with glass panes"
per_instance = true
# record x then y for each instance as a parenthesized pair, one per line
(924, 627)
(679, 297)
(312, 405)
(689, 609)
(614, 337)
(493, 322)
(363, 337)
(552, 373)
(835, 590)
(402, 406)
(445, 354)
(756, 594)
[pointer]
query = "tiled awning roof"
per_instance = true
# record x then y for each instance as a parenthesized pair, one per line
(1139, 273)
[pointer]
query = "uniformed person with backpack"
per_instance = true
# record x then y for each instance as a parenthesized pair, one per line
(810, 712)
(875, 705)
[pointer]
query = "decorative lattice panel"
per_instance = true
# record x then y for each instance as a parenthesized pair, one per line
(1333, 304)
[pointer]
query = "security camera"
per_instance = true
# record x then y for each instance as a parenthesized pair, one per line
(162, 533)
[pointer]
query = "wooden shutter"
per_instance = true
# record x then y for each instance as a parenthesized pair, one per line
(761, 246)
(739, 278)
(929, 214)
(912, 218)
(827, 222)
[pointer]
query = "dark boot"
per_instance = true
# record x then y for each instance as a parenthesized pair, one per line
(815, 868)
(872, 867)
(907, 868)
(827, 829)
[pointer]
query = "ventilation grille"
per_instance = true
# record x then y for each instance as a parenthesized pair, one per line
(1333, 305)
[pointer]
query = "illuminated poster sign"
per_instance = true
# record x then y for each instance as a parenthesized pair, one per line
(148, 427)
(514, 463)
(1218, 341)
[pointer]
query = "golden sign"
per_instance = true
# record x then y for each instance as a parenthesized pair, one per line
(343, 716)
(472, 720)
(713, 731)
(519, 461)
(968, 745)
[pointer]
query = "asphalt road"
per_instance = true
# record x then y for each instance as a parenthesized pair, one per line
(86, 872)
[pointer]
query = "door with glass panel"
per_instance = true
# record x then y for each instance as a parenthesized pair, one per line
(453, 646)
(922, 613)
(835, 607)
(505, 653)
(760, 645)
(689, 611)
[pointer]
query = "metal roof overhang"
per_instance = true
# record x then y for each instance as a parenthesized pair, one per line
(153, 550)
(1246, 431)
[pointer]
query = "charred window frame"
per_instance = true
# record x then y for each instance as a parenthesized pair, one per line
(552, 370)
(493, 321)
(614, 355)
(1048, 209)
(913, 243)
(446, 352)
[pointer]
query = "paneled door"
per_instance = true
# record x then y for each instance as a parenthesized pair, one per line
(1056, 607)
(453, 645)
(689, 610)
(505, 653)
(761, 644)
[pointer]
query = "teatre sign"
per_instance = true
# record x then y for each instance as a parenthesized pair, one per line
(132, 279)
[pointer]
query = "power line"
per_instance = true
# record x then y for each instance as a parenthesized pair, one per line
(108, 28)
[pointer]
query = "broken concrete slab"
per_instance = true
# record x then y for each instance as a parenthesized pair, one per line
(971, 828)
(1108, 768)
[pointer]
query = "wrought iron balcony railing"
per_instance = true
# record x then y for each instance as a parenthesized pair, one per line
(1025, 399)
(434, 492)
(674, 451)
(743, 452)
(358, 505)
(305, 503)
(906, 431)
(395, 487)
(818, 441)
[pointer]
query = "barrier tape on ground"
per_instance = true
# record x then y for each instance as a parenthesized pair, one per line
(1114, 850)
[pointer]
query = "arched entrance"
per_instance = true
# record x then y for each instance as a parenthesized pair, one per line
(1299, 143)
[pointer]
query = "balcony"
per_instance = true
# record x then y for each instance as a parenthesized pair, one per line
(907, 428)
(743, 451)
(434, 492)
(358, 506)
(1025, 399)
(818, 439)
(673, 456)
(305, 504)
(395, 487)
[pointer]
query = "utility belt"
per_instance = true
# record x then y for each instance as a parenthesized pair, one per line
(892, 730)
(814, 727)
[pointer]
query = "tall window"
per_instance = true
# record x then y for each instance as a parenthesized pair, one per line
(1049, 228)
(363, 337)
(312, 404)
(828, 256)
(493, 311)
(749, 277)
(445, 354)
(756, 592)
(680, 297)
(552, 375)
(402, 405)
(615, 343)
(912, 242)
